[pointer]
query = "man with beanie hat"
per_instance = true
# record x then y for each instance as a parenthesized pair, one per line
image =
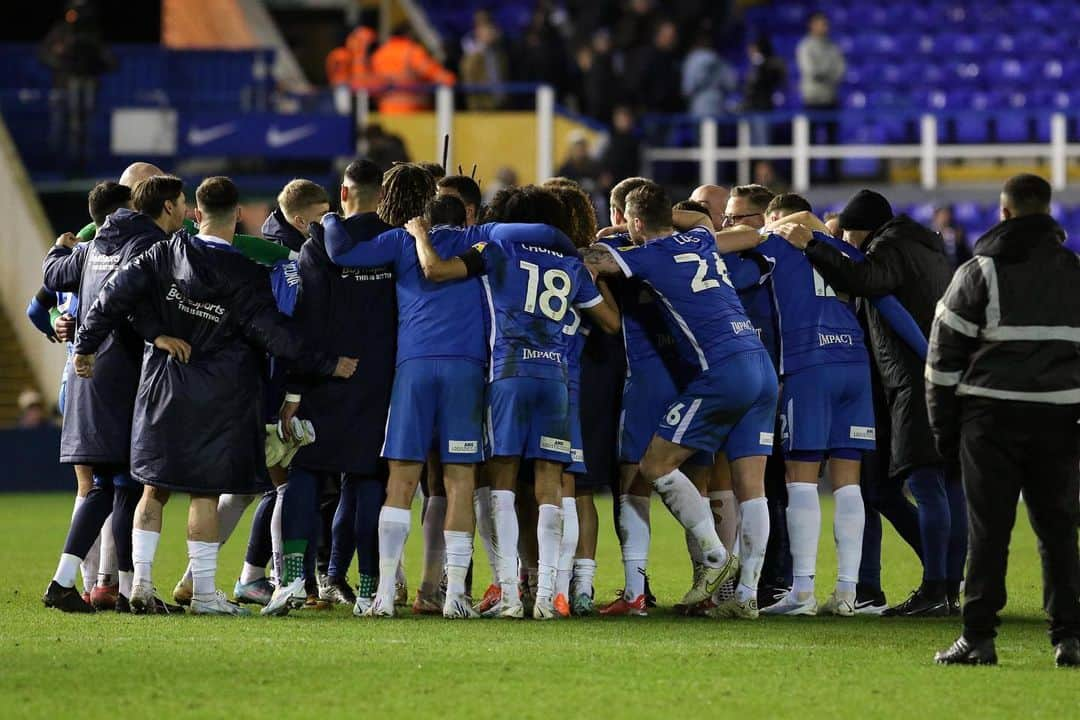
(907, 260)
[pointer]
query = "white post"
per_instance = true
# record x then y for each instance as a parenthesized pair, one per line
(444, 124)
(1059, 174)
(362, 108)
(545, 132)
(928, 156)
(800, 157)
(742, 135)
(709, 139)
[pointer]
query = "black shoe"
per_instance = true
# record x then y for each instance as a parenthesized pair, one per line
(919, 605)
(65, 599)
(964, 652)
(160, 607)
(123, 605)
(1067, 653)
(650, 599)
(870, 600)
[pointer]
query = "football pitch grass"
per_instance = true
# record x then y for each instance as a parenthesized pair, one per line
(330, 664)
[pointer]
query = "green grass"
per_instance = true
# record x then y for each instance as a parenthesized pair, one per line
(331, 664)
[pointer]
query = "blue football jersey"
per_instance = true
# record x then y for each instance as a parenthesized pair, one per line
(755, 294)
(531, 290)
(435, 320)
(698, 301)
(576, 329)
(817, 326)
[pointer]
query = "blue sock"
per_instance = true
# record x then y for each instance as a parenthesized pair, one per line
(957, 555)
(259, 548)
(370, 496)
(89, 518)
(927, 485)
(343, 530)
(125, 499)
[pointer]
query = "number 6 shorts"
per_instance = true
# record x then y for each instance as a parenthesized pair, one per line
(730, 407)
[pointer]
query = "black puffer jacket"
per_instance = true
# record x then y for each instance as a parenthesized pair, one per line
(907, 260)
(198, 427)
(97, 416)
(1008, 329)
(276, 228)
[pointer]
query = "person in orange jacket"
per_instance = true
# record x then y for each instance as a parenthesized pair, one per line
(403, 63)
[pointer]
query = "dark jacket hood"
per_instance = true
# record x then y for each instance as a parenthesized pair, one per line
(277, 229)
(903, 228)
(1014, 239)
(122, 226)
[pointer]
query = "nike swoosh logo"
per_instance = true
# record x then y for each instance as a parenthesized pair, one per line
(279, 138)
(202, 136)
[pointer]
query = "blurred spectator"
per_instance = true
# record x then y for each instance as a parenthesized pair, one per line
(622, 156)
(484, 63)
(382, 148)
(955, 237)
(600, 85)
(653, 71)
(765, 174)
(821, 68)
(766, 75)
(707, 79)
(403, 63)
(505, 177)
(348, 67)
(588, 15)
(635, 26)
(32, 413)
(579, 164)
(540, 56)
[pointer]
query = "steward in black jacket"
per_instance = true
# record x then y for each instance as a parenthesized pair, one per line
(98, 410)
(907, 260)
(198, 425)
(1003, 390)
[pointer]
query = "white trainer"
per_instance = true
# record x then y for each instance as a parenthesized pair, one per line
(793, 603)
(362, 605)
(280, 601)
(220, 605)
(508, 609)
(142, 599)
(380, 608)
(458, 607)
(544, 609)
(841, 604)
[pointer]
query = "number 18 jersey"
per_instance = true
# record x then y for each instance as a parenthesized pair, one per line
(530, 291)
(696, 296)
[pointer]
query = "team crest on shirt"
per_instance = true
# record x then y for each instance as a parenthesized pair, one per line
(479, 247)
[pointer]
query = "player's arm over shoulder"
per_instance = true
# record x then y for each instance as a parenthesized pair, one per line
(604, 259)
(433, 266)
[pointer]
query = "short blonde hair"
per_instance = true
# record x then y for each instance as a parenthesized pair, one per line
(299, 194)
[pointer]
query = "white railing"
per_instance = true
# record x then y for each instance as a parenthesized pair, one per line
(929, 152)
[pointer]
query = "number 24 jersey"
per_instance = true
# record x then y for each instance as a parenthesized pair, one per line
(698, 301)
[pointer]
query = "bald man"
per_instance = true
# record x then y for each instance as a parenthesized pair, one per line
(715, 198)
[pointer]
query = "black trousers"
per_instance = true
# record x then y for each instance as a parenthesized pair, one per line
(1006, 448)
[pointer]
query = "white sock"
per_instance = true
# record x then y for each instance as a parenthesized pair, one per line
(67, 570)
(107, 563)
(485, 528)
(849, 519)
(725, 510)
(584, 572)
(549, 525)
(459, 546)
(251, 573)
(230, 511)
(506, 537)
(567, 546)
(635, 533)
(692, 546)
(754, 537)
(143, 548)
(126, 580)
(434, 545)
(203, 557)
(90, 564)
(277, 540)
(393, 532)
(684, 502)
(804, 531)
